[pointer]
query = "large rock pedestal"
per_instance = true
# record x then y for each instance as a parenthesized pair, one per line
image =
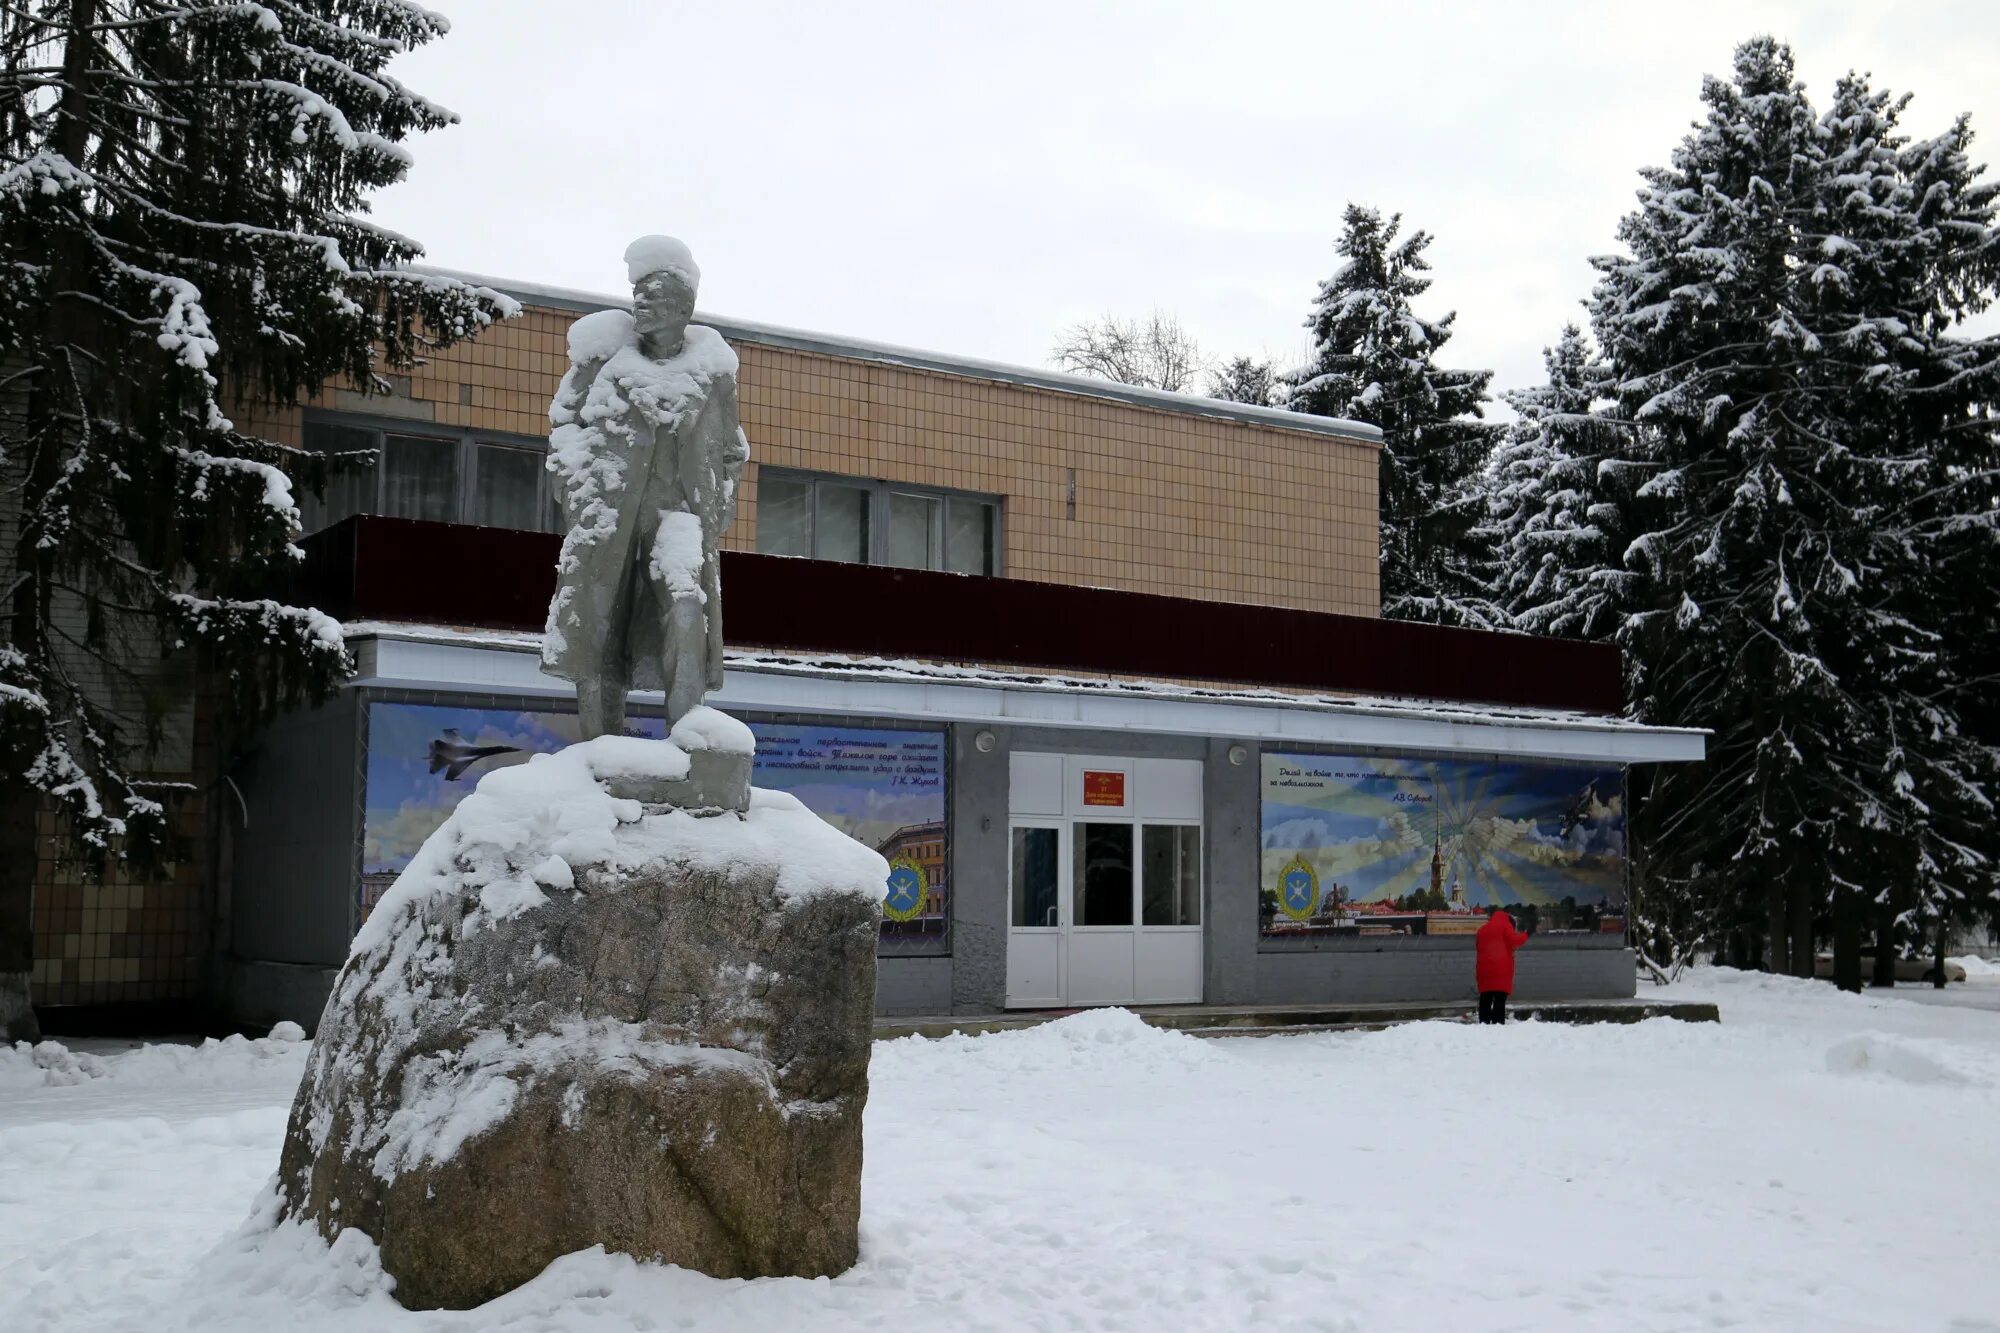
(617, 1025)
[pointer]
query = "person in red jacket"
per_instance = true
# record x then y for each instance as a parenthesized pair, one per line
(1494, 972)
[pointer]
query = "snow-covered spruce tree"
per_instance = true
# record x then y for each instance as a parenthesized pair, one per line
(1374, 360)
(1540, 492)
(179, 188)
(1771, 591)
(1906, 231)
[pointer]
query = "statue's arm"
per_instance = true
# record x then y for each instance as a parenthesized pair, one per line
(567, 438)
(715, 464)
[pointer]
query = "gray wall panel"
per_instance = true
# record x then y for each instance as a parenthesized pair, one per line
(1409, 971)
(912, 986)
(295, 857)
(979, 852)
(1233, 832)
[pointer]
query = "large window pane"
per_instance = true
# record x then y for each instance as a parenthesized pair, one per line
(1172, 882)
(968, 536)
(1103, 882)
(912, 531)
(1035, 877)
(350, 483)
(841, 529)
(784, 515)
(420, 477)
(506, 486)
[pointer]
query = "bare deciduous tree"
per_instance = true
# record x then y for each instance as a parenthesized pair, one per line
(1154, 352)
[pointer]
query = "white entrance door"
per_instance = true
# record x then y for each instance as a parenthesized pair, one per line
(1105, 881)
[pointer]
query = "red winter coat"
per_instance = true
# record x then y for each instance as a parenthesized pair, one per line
(1497, 940)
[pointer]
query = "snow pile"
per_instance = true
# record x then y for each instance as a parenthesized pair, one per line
(1095, 1173)
(1977, 968)
(1093, 1039)
(1890, 1057)
(51, 1064)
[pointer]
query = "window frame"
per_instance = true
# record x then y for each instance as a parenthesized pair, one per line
(879, 501)
(465, 439)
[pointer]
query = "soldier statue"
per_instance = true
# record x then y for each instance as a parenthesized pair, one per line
(646, 451)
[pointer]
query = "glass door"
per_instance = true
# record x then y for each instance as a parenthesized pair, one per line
(1167, 953)
(1035, 917)
(1104, 912)
(1105, 881)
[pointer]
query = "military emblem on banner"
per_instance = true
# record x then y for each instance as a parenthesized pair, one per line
(1298, 888)
(907, 890)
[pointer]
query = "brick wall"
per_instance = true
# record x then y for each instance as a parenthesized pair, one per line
(1166, 501)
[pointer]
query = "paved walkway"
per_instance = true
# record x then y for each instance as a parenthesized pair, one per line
(1977, 994)
(1245, 1020)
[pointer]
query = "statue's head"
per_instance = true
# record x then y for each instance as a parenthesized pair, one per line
(664, 280)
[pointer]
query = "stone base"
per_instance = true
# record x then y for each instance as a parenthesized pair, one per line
(717, 781)
(662, 1049)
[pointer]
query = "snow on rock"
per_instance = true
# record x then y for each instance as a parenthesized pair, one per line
(576, 1019)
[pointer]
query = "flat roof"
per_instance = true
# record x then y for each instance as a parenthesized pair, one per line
(445, 658)
(859, 349)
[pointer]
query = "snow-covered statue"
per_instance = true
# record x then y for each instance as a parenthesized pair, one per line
(646, 451)
(619, 998)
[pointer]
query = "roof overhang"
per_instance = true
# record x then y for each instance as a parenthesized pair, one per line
(424, 658)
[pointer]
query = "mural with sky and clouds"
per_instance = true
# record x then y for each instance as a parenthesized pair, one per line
(1356, 844)
(882, 787)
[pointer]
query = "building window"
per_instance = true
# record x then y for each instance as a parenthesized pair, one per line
(446, 476)
(876, 522)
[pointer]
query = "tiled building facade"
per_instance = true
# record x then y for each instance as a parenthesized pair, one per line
(1093, 485)
(1217, 504)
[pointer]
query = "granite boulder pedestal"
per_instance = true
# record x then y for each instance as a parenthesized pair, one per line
(585, 1018)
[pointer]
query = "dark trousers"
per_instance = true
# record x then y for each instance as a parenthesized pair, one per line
(1493, 1006)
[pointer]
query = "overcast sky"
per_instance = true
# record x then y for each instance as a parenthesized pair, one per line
(971, 178)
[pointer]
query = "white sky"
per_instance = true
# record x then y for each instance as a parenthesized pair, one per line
(970, 178)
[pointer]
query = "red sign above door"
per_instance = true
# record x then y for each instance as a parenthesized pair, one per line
(1103, 788)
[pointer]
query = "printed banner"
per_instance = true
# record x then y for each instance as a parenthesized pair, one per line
(885, 788)
(1372, 846)
(882, 787)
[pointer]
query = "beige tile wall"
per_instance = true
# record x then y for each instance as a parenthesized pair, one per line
(1165, 502)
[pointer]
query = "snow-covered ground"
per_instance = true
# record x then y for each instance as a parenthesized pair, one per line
(1818, 1161)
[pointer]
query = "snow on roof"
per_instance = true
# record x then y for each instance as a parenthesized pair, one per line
(843, 666)
(859, 349)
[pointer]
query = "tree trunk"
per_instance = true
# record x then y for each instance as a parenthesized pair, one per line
(1885, 940)
(1775, 954)
(1799, 905)
(1937, 964)
(1847, 914)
